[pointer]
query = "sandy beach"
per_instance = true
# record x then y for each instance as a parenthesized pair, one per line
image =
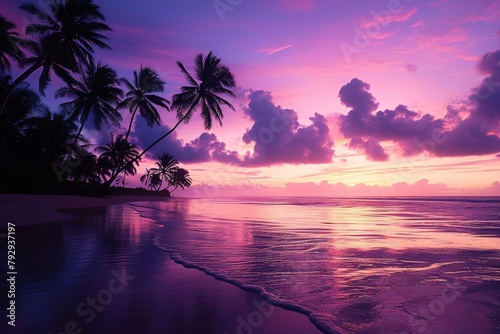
(91, 268)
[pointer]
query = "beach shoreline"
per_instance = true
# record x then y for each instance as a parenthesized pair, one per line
(28, 209)
(236, 307)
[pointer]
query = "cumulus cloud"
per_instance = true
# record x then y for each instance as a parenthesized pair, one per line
(279, 138)
(366, 129)
(205, 148)
(371, 148)
(276, 134)
(474, 130)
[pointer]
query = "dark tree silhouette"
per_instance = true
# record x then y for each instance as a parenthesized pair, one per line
(214, 79)
(10, 43)
(141, 97)
(64, 40)
(117, 154)
(181, 179)
(96, 93)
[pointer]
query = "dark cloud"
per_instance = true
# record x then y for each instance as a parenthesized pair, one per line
(279, 138)
(371, 148)
(367, 129)
(276, 133)
(205, 148)
(473, 130)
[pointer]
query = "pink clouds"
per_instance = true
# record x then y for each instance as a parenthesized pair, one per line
(324, 188)
(385, 17)
(476, 134)
(444, 40)
(271, 51)
(276, 134)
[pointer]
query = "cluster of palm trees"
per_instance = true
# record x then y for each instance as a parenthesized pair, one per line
(62, 42)
(168, 172)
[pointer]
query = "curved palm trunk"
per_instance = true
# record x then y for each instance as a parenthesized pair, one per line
(131, 121)
(21, 78)
(171, 192)
(75, 141)
(128, 133)
(79, 132)
(115, 175)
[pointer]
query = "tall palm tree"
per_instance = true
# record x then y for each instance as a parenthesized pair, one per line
(140, 96)
(66, 36)
(96, 93)
(9, 44)
(181, 179)
(214, 79)
(120, 153)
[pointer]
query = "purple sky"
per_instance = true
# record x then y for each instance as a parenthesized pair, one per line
(330, 91)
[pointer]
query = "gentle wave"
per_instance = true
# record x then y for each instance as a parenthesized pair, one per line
(350, 265)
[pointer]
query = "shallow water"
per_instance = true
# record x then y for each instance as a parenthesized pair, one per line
(427, 265)
(61, 265)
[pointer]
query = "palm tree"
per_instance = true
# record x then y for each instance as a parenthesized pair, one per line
(119, 153)
(24, 102)
(140, 97)
(87, 170)
(67, 34)
(146, 178)
(97, 93)
(181, 179)
(152, 179)
(214, 79)
(9, 44)
(167, 165)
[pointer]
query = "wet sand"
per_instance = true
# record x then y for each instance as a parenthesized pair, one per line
(96, 271)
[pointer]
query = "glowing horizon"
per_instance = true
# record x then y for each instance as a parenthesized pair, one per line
(321, 69)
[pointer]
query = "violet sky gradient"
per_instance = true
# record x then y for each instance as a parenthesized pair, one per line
(370, 92)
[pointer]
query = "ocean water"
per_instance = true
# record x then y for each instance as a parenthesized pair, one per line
(392, 265)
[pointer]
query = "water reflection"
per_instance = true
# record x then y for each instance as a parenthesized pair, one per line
(366, 264)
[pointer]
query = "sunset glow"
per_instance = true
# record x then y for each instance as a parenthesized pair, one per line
(397, 97)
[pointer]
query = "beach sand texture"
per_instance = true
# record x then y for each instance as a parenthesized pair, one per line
(94, 270)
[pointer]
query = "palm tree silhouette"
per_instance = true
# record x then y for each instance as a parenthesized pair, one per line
(9, 44)
(181, 179)
(87, 170)
(24, 102)
(167, 165)
(150, 179)
(97, 93)
(67, 34)
(214, 79)
(140, 97)
(119, 153)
